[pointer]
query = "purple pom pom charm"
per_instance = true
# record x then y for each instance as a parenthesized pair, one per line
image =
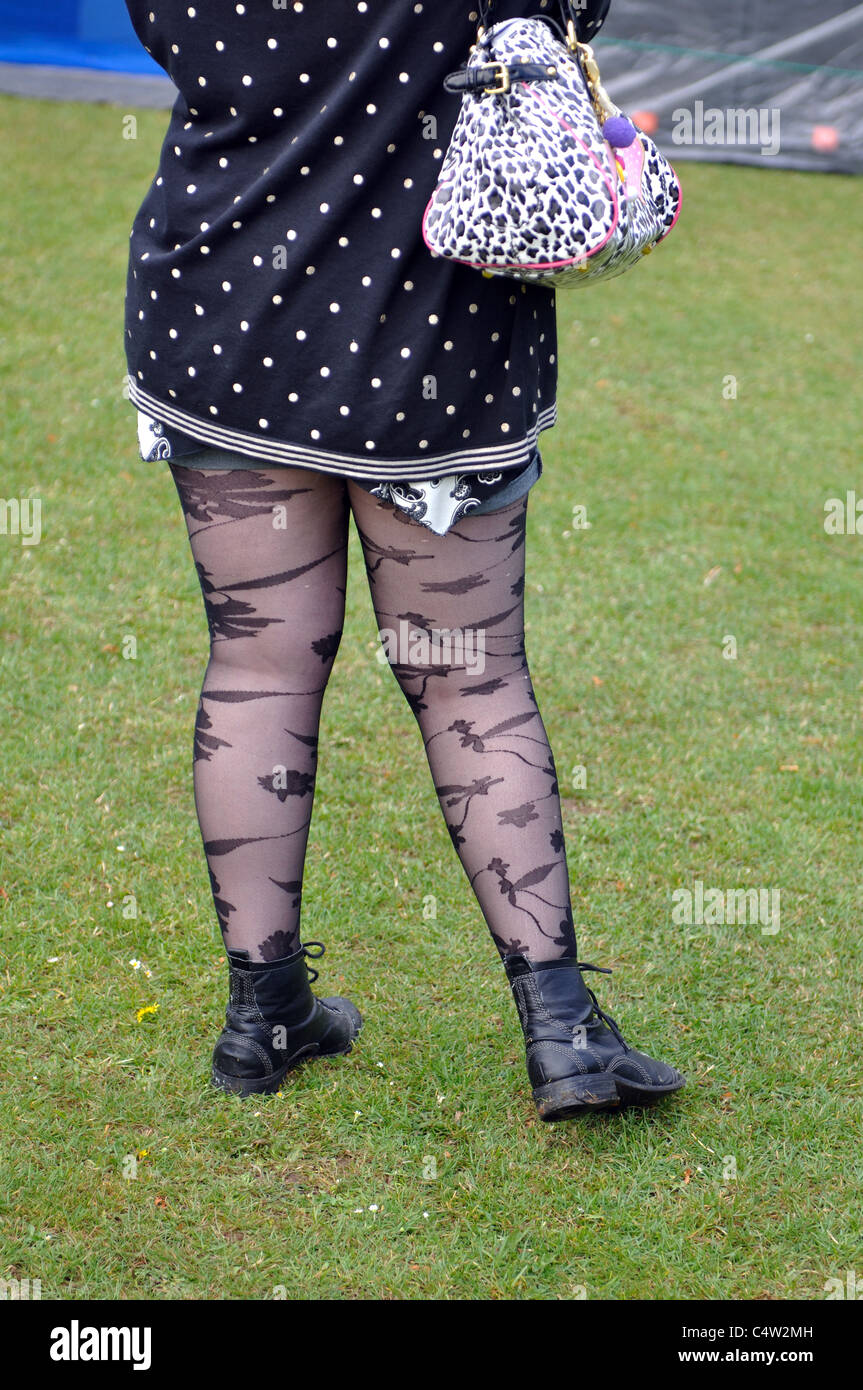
(619, 132)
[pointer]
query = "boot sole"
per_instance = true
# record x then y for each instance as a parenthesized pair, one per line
(562, 1100)
(634, 1093)
(559, 1100)
(268, 1085)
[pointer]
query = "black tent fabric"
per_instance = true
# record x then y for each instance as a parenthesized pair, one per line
(776, 83)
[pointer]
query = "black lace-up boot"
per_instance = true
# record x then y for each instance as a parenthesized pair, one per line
(577, 1058)
(273, 1022)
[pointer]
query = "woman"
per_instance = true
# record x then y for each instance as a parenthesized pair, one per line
(297, 355)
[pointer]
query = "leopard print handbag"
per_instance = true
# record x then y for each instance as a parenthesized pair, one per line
(545, 180)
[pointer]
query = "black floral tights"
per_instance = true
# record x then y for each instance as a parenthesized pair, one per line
(270, 547)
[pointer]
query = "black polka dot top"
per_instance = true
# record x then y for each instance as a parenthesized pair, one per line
(281, 300)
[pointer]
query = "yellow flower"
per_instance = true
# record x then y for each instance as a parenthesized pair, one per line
(147, 1009)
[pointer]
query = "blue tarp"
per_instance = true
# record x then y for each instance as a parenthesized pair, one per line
(73, 33)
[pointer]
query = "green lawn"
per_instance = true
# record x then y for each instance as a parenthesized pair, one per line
(706, 523)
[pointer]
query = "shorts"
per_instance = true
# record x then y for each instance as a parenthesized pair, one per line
(437, 503)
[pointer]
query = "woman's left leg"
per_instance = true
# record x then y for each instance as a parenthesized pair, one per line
(455, 607)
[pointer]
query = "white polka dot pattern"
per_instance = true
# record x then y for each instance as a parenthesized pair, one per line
(281, 301)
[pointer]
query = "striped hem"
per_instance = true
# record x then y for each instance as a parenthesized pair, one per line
(513, 454)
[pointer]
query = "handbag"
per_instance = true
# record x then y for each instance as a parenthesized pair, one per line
(545, 180)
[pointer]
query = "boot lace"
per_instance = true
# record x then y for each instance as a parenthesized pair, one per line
(600, 1013)
(314, 955)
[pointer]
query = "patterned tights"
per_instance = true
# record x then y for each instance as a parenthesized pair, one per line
(270, 548)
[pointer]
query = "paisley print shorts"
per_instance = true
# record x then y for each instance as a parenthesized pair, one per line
(437, 503)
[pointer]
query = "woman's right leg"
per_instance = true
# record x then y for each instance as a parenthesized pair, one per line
(270, 548)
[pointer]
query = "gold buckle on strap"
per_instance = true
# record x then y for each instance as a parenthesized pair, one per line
(503, 79)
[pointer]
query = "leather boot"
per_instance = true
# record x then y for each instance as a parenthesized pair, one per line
(273, 1022)
(577, 1058)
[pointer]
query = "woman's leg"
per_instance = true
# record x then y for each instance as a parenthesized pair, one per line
(270, 548)
(455, 607)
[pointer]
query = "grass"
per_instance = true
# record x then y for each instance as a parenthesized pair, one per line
(415, 1168)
